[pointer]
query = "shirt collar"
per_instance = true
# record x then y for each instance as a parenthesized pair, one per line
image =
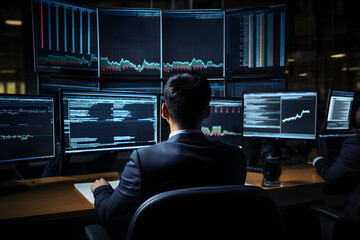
(182, 131)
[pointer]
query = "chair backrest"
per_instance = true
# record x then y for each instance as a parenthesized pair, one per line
(221, 212)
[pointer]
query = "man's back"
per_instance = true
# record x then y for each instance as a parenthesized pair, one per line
(190, 160)
(185, 160)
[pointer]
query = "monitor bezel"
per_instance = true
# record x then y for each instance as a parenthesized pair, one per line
(40, 158)
(102, 149)
(278, 136)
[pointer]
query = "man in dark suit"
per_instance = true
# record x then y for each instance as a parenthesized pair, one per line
(345, 171)
(187, 159)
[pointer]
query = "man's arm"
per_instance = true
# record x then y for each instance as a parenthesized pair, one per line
(347, 165)
(111, 202)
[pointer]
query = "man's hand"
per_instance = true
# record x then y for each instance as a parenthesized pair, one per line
(98, 183)
(314, 153)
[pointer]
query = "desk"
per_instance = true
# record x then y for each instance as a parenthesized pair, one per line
(56, 197)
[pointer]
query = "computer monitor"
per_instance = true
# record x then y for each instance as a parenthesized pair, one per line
(338, 110)
(235, 87)
(193, 40)
(255, 40)
(98, 121)
(65, 37)
(225, 121)
(27, 129)
(280, 115)
(130, 42)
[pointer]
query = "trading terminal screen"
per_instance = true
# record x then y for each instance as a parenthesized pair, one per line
(130, 42)
(108, 121)
(280, 115)
(193, 40)
(225, 121)
(339, 110)
(65, 36)
(255, 40)
(26, 128)
(237, 87)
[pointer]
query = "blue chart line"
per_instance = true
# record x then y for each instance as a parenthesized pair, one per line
(295, 117)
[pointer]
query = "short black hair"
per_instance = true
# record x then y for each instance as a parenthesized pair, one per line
(187, 97)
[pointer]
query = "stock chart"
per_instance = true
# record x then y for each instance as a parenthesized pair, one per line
(193, 40)
(66, 36)
(130, 42)
(26, 128)
(255, 40)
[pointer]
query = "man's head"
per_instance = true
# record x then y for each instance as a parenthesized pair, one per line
(187, 98)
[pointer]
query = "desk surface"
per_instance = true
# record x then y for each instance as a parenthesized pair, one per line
(57, 195)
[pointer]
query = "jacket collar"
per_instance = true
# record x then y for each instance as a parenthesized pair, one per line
(188, 137)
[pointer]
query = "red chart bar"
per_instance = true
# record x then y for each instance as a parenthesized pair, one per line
(42, 25)
(272, 47)
(249, 57)
(260, 50)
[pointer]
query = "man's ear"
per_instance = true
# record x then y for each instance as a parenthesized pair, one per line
(164, 112)
(207, 113)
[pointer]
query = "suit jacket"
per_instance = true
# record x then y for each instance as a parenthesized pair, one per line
(345, 172)
(185, 160)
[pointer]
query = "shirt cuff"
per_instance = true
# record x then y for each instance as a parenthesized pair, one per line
(317, 159)
(106, 188)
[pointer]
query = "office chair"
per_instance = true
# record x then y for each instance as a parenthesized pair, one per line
(335, 224)
(220, 212)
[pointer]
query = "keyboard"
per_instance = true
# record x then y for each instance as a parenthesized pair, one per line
(254, 169)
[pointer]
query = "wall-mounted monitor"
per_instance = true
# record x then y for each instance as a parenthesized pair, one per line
(255, 40)
(65, 37)
(193, 40)
(130, 43)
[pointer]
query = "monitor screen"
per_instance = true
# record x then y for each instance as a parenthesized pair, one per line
(217, 88)
(236, 87)
(280, 115)
(193, 40)
(98, 121)
(130, 42)
(339, 107)
(255, 40)
(65, 36)
(26, 128)
(225, 121)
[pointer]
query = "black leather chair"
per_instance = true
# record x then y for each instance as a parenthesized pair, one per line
(220, 212)
(335, 224)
